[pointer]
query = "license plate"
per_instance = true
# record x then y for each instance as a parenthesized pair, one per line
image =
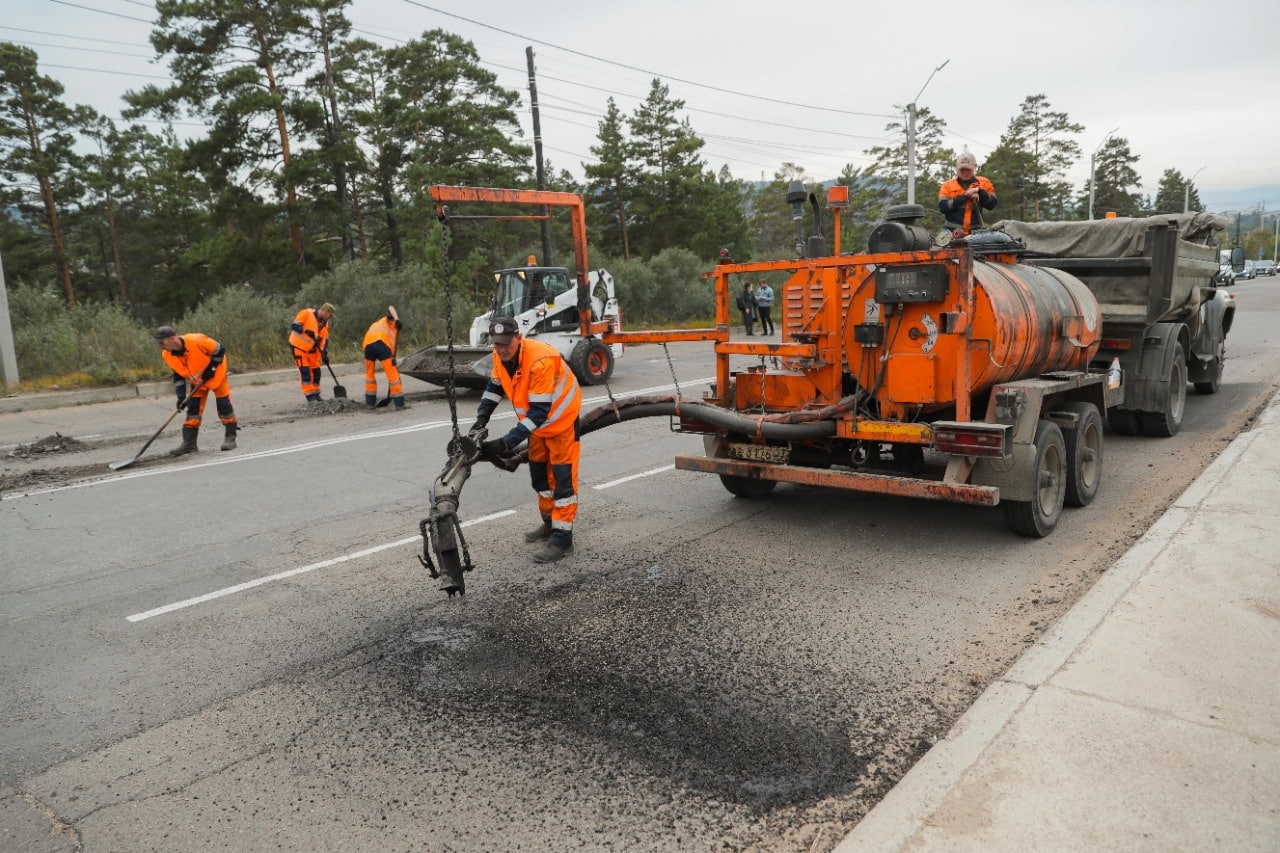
(760, 453)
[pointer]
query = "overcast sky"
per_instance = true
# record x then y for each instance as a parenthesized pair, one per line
(1190, 85)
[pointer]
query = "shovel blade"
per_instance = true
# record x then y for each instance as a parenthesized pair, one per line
(339, 393)
(116, 466)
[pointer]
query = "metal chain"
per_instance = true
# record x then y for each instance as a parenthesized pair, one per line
(671, 366)
(446, 242)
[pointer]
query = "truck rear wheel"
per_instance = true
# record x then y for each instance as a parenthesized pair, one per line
(591, 361)
(1039, 516)
(1123, 421)
(1168, 420)
(1214, 382)
(1084, 453)
(747, 487)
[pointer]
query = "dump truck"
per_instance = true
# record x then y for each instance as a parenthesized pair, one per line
(1165, 321)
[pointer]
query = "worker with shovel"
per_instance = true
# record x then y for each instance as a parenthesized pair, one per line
(380, 348)
(535, 378)
(202, 361)
(309, 337)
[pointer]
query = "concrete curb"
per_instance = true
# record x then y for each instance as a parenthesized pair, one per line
(907, 808)
(37, 400)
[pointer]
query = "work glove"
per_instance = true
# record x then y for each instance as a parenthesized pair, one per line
(494, 448)
(478, 426)
(324, 356)
(208, 372)
(181, 401)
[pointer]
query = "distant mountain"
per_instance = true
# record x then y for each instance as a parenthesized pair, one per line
(1245, 200)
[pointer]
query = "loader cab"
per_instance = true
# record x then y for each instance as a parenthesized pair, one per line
(523, 289)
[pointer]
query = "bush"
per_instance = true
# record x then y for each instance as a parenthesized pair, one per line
(253, 328)
(361, 292)
(96, 341)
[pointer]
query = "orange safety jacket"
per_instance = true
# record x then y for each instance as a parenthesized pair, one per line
(956, 212)
(383, 330)
(544, 392)
(199, 350)
(309, 333)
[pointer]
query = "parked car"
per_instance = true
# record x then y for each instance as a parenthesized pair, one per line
(1264, 267)
(1249, 273)
(1225, 276)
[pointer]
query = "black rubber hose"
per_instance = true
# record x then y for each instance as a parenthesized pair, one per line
(746, 425)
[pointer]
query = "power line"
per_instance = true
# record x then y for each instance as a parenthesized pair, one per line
(86, 49)
(102, 11)
(67, 36)
(644, 70)
(108, 71)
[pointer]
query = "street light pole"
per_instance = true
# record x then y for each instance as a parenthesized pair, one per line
(1093, 159)
(911, 137)
(1186, 191)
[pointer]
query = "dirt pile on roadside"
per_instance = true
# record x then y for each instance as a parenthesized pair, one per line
(56, 443)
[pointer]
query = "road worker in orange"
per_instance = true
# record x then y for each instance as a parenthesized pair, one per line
(380, 348)
(201, 361)
(546, 397)
(963, 198)
(309, 337)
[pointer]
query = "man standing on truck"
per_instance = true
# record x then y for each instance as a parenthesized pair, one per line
(963, 198)
(309, 337)
(546, 397)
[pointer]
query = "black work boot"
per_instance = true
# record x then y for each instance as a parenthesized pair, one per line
(538, 534)
(188, 442)
(557, 546)
(229, 440)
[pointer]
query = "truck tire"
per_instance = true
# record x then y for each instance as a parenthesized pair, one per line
(591, 361)
(1038, 517)
(1084, 453)
(747, 487)
(1214, 382)
(1168, 420)
(1123, 421)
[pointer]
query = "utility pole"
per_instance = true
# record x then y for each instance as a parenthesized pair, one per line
(537, 154)
(8, 359)
(1186, 191)
(1093, 160)
(911, 138)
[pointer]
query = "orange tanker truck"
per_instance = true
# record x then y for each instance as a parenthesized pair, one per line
(970, 369)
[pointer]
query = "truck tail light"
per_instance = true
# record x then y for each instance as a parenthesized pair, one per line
(971, 439)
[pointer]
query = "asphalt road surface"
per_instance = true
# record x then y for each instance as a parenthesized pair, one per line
(241, 651)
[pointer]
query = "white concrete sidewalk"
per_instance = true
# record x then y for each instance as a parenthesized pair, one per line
(1148, 718)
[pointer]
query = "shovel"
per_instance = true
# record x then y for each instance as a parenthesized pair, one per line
(339, 392)
(116, 466)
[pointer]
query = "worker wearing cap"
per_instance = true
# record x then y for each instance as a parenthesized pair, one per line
(546, 397)
(309, 337)
(201, 361)
(963, 198)
(380, 348)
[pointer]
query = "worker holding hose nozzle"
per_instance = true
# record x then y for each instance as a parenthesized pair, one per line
(963, 198)
(545, 394)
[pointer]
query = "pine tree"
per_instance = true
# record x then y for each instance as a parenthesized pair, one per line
(610, 181)
(37, 157)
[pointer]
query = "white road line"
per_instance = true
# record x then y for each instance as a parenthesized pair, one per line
(310, 445)
(241, 587)
(619, 482)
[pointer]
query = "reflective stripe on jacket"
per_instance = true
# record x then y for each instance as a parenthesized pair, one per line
(308, 332)
(543, 391)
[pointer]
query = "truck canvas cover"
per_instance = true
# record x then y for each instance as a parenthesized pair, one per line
(1107, 238)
